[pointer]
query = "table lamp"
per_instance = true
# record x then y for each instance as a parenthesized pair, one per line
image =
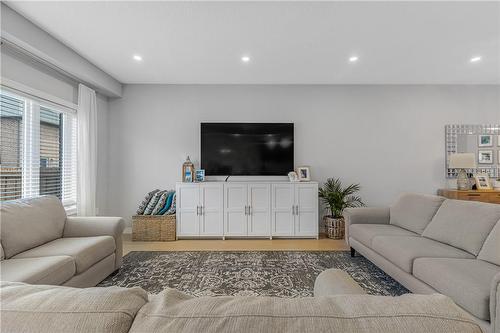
(462, 162)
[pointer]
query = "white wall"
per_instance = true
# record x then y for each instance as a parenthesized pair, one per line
(390, 139)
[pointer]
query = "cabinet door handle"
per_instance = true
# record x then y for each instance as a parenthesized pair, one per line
(249, 210)
(246, 210)
(198, 210)
(293, 210)
(296, 209)
(201, 210)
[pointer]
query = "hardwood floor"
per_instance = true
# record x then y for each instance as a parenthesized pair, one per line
(322, 244)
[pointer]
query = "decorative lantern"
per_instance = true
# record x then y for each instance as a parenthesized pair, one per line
(188, 171)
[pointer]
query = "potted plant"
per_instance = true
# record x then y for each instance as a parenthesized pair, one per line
(337, 198)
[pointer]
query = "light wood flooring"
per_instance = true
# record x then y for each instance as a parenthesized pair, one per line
(322, 244)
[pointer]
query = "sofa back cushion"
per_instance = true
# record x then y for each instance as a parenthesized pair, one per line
(27, 223)
(39, 308)
(414, 211)
(172, 311)
(463, 224)
(490, 251)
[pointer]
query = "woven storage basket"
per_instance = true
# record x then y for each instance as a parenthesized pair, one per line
(334, 227)
(153, 227)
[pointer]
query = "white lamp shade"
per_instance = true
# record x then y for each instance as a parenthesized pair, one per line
(462, 161)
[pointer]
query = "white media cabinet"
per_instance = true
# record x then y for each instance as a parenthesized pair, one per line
(246, 209)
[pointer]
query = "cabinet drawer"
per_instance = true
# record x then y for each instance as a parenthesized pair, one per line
(484, 197)
(494, 198)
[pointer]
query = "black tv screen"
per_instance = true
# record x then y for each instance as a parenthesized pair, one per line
(247, 149)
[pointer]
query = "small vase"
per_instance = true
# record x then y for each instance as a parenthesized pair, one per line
(334, 227)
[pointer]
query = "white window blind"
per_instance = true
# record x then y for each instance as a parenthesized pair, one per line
(37, 150)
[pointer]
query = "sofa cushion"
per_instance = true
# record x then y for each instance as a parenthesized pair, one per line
(364, 233)
(403, 250)
(46, 270)
(414, 211)
(27, 223)
(466, 281)
(36, 308)
(491, 248)
(463, 224)
(173, 311)
(86, 251)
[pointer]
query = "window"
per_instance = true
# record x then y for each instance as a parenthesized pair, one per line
(37, 150)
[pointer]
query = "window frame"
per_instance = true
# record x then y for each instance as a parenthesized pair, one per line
(34, 101)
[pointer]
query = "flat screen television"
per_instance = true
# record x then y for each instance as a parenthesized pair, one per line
(247, 149)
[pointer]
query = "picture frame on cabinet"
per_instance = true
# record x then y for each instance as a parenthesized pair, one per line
(485, 157)
(482, 181)
(200, 175)
(485, 140)
(304, 174)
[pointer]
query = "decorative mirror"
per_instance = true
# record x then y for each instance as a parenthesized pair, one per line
(481, 140)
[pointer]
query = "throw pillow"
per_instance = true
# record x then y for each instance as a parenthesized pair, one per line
(168, 203)
(161, 203)
(145, 202)
(171, 210)
(152, 203)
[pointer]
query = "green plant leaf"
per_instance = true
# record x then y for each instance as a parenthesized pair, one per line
(337, 198)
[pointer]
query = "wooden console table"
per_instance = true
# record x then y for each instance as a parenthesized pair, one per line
(491, 196)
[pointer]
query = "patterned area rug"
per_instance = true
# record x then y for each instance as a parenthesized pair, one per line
(264, 273)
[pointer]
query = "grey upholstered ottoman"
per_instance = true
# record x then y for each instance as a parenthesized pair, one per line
(336, 282)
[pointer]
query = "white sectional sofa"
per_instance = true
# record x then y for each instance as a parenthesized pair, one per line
(41, 245)
(431, 244)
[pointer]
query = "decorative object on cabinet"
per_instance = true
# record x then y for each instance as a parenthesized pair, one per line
(485, 140)
(496, 184)
(188, 171)
(490, 196)
(485, 157)
(337, 198)
(200, 175)
(462, 162)
(153, 228)
(304, 174)
(483, 182)
(293, 177)
(461, 138)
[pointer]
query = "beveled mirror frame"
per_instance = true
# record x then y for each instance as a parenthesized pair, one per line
(451, 141)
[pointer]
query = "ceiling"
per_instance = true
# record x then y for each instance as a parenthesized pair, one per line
(287, 42)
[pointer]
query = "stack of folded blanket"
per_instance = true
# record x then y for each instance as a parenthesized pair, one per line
(158, 202)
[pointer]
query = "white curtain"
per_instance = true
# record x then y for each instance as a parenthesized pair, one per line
(87, 151)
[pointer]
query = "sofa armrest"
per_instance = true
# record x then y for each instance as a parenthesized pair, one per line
(365, 215)
(336, 282)
(81, 226)
(495, 304)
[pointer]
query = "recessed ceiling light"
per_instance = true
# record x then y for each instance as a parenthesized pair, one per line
(137, 57)
(353, 59)
(245, 58)
(475, 59)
